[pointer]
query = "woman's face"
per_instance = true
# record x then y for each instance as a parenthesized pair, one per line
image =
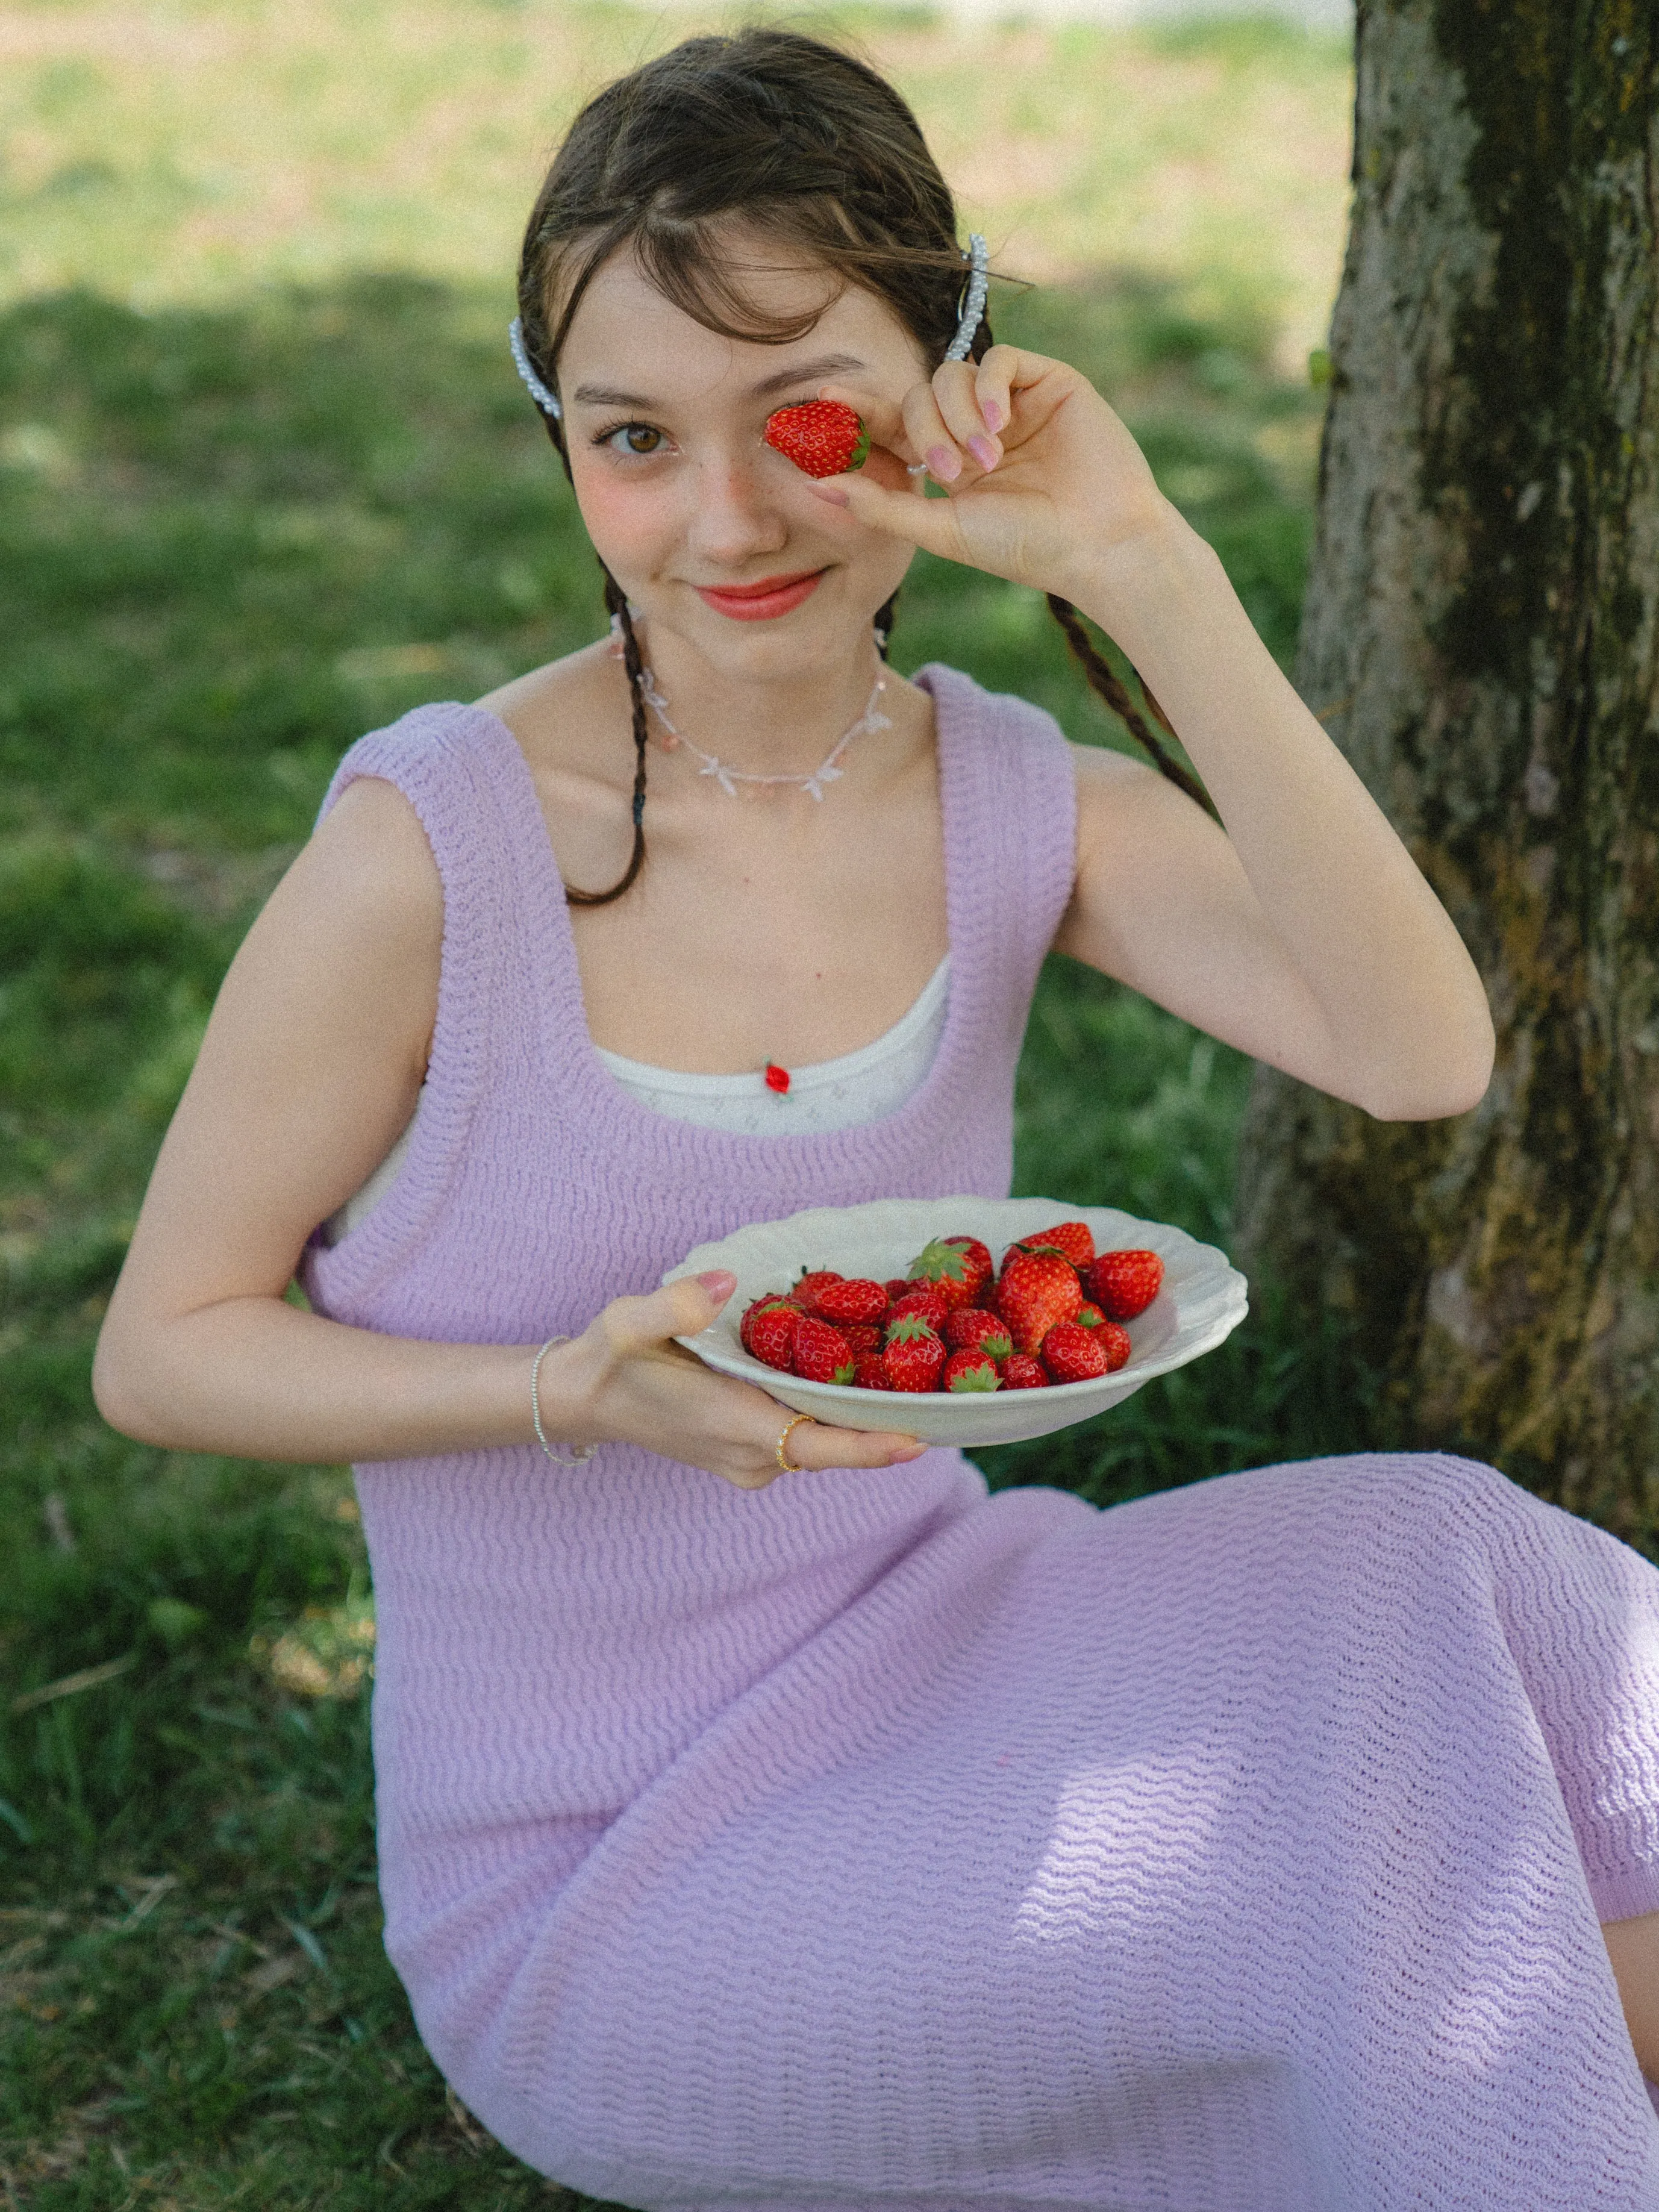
(690, 508)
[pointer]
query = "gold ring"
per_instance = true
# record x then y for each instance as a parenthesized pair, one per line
(784, 1462)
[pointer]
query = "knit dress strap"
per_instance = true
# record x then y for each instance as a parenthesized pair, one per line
(458, 769)
(1011, 823)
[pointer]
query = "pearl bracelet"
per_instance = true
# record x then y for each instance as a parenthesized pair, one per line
(583, 1451)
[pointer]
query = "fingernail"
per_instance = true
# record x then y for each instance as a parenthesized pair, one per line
(983, 451)
(719, 1283)
(991, 410)
(943, 464)
(907, 1451)
(830, 493)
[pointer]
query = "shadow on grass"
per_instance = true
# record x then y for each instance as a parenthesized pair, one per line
(228, 543)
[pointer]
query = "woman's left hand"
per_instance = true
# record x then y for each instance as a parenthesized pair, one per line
(1045, 484)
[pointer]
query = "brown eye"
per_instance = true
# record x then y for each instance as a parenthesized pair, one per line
(634, 438)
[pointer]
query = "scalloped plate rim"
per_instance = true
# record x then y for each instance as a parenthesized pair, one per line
(1217, 1306)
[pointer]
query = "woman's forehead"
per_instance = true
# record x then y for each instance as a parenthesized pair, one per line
(626, 329)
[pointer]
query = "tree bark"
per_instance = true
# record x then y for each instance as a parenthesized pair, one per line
(1481, 637)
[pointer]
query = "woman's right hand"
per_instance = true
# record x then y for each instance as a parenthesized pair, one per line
(625, 1380)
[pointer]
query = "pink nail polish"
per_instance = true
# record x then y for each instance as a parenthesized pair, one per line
(983, 451)
(943, 464)
(719, 1282)
(994, 417)
(830, 493)
(908, 1452)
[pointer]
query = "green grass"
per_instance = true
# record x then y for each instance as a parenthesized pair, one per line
(240, 520)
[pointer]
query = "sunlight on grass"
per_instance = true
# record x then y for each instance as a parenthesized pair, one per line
(178, 152)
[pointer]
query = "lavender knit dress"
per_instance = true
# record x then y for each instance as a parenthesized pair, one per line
(869, 1841)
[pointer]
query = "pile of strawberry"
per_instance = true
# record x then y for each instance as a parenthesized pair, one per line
(1055, 1314)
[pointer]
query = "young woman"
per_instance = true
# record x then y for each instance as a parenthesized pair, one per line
(769, 1815)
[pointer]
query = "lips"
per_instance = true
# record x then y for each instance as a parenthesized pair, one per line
(764, 601)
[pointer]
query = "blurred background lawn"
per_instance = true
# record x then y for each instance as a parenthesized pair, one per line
(267, 479)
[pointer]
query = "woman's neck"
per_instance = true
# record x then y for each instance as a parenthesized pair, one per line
(784, 726)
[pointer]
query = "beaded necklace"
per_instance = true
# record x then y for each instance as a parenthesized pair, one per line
(728, 778)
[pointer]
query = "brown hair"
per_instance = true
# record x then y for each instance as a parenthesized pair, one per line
(809, 148)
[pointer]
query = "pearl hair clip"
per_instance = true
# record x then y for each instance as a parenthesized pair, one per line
(546, 400)
(973, 311)
(973, 307)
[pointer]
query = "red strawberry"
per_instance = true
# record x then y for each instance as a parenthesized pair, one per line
(862, 1336)
(1073, 1238)
(913, 1356)
(959, 1267)
(1124, 1284)
(768, 1333)
(1073, 1354)
(758, 1306)
(1118, 1345)
(1090, 1315)
(969, 1370)
(923, 1298)
(896, 1285)
(871, 1372)
(821, 1353)
(1037, 1290)
(804, 1292)
(822, 436)
(971, 1328)
(1021, 1370)
(857, 1299)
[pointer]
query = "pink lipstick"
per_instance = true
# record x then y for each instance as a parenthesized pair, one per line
(764, 601)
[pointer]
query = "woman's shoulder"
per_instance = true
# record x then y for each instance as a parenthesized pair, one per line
(961, 699)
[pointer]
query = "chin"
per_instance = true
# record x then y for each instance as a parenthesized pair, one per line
(813, 636)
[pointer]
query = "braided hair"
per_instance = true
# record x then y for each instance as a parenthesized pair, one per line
(807, 146)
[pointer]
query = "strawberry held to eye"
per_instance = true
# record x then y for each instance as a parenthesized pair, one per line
(1124, 1284)
(1037, 1289)
(822, 437)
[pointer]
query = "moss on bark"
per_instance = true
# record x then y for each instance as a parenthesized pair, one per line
(1485, 603)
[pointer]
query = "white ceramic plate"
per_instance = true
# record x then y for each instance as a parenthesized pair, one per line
(1203, 1299)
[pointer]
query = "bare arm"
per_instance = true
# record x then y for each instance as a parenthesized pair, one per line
(311, 1066)
(1303, 932)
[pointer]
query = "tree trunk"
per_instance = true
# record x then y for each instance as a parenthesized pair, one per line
(1481, 637)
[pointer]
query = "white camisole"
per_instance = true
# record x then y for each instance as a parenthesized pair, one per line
(831, 1094)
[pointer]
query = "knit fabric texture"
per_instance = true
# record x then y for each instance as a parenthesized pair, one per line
(873, 1841)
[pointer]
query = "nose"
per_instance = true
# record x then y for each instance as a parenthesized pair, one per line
(734, 517)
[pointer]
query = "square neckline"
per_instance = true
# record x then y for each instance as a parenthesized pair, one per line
(585, 1063)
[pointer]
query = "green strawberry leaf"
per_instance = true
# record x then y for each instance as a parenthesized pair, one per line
(939, 1262)
(977, 1378)
(909, 1329)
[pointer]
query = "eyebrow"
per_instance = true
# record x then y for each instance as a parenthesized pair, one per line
(805, 372)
